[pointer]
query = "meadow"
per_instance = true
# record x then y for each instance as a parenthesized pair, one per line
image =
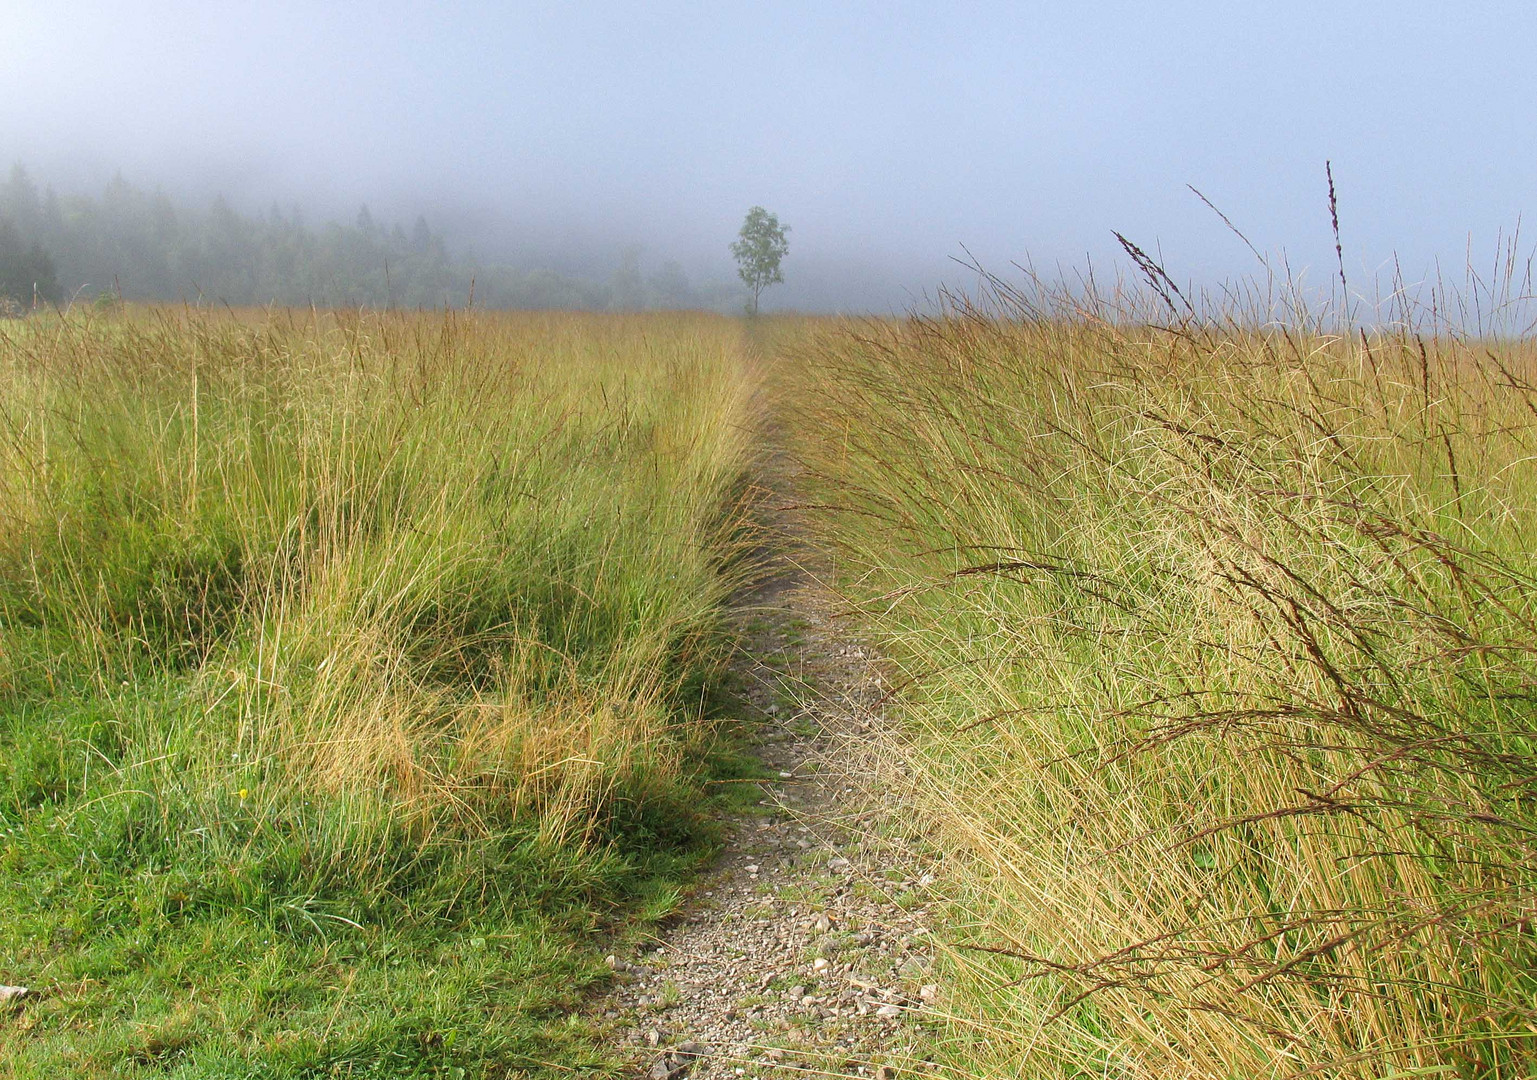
(359, 679)
(1215, 642)
(363, 676)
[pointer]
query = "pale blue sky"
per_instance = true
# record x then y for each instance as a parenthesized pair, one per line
(887, 134)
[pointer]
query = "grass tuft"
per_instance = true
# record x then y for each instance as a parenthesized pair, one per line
(355, 669)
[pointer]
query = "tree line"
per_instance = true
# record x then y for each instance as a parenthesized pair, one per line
(140, 245)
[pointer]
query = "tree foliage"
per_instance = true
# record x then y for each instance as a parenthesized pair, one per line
(759, 249)
(142, 246)
(27, 272)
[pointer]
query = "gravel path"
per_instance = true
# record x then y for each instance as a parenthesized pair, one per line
(803, 953)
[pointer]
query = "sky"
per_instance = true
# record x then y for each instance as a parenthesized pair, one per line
(892, 137)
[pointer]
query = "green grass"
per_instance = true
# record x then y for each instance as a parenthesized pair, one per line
(1217, 648)
(357, 680)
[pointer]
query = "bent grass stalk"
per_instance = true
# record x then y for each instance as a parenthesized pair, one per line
(1219, 640)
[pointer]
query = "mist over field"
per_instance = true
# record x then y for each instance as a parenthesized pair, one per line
(446, 633)
(893, 138)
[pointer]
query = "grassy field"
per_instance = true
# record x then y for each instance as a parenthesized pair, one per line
(1218, 645)
(360, 678)
(355, 679)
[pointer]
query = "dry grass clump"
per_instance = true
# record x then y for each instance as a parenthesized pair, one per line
(1220, 644)
(459, 565)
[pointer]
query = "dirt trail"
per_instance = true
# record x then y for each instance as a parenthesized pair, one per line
(803, 952)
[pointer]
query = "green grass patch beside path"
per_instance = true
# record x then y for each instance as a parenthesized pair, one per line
(357, 682)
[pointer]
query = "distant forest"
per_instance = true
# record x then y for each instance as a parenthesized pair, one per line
(140, 245)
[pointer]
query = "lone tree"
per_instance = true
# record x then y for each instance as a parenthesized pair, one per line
(758, 248)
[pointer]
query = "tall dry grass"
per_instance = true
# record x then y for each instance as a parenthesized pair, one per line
(1218, 642)
(449, 566)
(356, 679)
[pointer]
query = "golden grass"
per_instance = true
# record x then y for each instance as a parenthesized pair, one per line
(447, 561)
(1220, 646)
(359, 679)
